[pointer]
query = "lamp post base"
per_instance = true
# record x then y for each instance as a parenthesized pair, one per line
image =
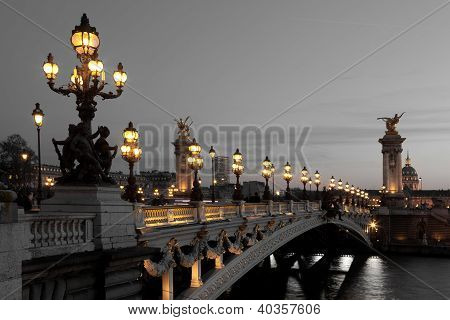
(267, 195)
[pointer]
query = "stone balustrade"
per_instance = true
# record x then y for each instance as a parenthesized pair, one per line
(160, 216)
(51, 234)
(215, 212)
(168, 215)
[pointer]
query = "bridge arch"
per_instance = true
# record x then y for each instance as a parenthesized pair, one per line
(222, 279)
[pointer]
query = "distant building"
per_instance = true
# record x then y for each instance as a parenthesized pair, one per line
(148, 181)
(222, 170)
(161, 180)
(410, 178)
(249, 188)
(49, 173)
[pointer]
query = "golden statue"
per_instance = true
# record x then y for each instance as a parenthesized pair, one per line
(391, 123)
(184, 129)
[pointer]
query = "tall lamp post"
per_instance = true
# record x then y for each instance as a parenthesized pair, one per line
(332, 183)
(272, 168)
(267, 173)
(38, 117)
(88, 80)
(317, 183)
(352, 193)
(287, 176)
(23, 179)
(195, 162)
(358, 193)
(238, 170)
(212, 154)
(131, 153)
(340, 187)
(347, 191)
(304, 179)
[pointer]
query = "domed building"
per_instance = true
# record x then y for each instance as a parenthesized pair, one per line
(410, 178)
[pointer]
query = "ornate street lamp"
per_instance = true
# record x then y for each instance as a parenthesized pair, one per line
(212, 154)
(87, 80)
(267, 173)
(287, 176)
(171, 190)
(131, 153)
(38, 116)
(340, 187)
(347, 191)
(317, 180)
(352, 192)
(304, 179)
(195, 162)
(272, 168)
(86, 84)
(238, 170)
(24, 156)
(357, 193)
(332, 183)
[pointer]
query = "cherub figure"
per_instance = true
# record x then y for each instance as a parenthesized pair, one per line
(103, 150)
(67, 158)
(89, 163)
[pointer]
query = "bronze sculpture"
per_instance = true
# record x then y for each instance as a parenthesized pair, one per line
(93, 160)
(391, 123)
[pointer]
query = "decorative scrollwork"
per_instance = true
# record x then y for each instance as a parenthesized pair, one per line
(197, 247)
(216, 251)
(254, 237)
(156, 269)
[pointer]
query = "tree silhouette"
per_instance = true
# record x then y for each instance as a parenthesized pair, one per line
(16, 172)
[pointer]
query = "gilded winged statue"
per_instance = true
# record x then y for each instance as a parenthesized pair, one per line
(184, 128)
(391, 123)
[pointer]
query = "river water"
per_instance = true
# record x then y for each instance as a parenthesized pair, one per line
(394, 277)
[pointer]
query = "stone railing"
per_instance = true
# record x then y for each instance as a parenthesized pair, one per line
(255, 209)
(162, 216)
(214, 212)
(53, 233)
(168, 215)
(300, 206)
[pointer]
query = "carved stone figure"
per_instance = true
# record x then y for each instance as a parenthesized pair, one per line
(391, 123)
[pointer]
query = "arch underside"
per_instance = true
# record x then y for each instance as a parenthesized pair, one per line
(220, 280)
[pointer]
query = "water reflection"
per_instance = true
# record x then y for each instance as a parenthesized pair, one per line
(350, 278)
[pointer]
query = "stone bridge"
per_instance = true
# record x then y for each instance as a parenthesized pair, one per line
(98, 247)
(250, 232)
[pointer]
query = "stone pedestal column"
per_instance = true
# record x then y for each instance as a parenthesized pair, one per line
(269, 207)
(291, 206)
(14, 243)
(219, 262)
(200, 211)
(392, 169)
(196, 280)
(184, 173)
(167, 285)
(114, 223)
(240, 207)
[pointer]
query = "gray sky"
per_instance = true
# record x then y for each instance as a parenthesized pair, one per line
(242, 62)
